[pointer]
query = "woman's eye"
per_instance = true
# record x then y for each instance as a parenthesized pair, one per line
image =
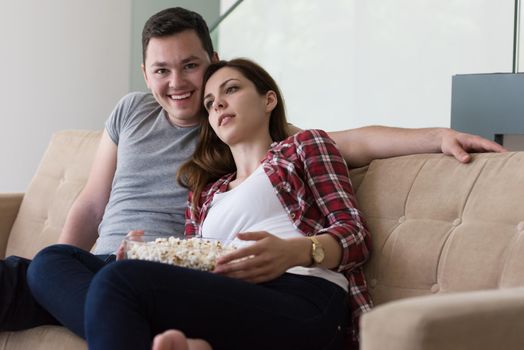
(208, 104)
(231, 89)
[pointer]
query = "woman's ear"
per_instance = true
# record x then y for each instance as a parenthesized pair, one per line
(271, 101)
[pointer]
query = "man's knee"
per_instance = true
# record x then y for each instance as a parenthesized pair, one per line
(55, 250)
(13, 271)
(14, 263)
(16, 301)
(39, 265)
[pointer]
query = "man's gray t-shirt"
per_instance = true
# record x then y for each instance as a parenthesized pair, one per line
(145, 194)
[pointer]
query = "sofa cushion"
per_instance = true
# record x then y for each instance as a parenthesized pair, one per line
(439, 226)
(44, 338)
(60, 177)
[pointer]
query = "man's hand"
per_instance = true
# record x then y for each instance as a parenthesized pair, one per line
(458, 144)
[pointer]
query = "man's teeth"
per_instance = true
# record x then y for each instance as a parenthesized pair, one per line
(180, 97)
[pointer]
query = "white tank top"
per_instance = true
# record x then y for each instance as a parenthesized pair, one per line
(253, 206)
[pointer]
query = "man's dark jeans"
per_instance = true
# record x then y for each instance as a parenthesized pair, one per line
(60, 275)
(18, 309)
(59, 278)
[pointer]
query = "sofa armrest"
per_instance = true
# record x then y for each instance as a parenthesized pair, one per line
(9, 205)
(478, 320)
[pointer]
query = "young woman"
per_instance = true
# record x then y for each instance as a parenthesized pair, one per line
(295, 283)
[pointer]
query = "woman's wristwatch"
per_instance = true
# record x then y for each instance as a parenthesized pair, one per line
(317, 251)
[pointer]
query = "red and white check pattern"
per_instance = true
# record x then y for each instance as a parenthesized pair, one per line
(311, 180)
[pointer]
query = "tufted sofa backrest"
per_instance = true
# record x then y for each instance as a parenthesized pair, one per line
(58, 180)
(439, 226)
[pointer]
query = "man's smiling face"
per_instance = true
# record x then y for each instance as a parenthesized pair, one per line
(173, 70)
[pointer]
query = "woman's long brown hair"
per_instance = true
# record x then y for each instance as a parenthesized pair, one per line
(212, 158)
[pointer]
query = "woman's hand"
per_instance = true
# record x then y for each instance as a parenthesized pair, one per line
(266, 259)
(135, 235)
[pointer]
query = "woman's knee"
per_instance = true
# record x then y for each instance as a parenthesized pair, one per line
(113, 285)
(114, 277)
(118, 270)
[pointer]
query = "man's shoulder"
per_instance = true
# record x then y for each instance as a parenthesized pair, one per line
(136, 105)
(130, 110)
(138, 98)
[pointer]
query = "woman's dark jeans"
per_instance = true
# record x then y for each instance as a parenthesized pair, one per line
(130, 301)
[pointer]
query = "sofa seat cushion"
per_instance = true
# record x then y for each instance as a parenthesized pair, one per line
(44, 337)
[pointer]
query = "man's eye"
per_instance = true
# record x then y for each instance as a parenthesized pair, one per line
(231, 89)
(161, 71)
(190, 66)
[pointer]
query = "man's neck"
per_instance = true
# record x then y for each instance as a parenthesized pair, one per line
(182, 123)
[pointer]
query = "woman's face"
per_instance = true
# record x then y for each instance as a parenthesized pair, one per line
(237, 112)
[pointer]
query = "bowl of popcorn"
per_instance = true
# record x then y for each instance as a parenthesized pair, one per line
(192, 252)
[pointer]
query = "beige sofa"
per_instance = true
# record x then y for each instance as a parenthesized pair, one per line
(447, 270)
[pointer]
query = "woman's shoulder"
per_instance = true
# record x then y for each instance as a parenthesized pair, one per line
(312, 134)
(309, 136)
(303, 143)
(216, 186)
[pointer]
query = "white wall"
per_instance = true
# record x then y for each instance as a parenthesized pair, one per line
(348, 63)
(63, 65)
(343, 63)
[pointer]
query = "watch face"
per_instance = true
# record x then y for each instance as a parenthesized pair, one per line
(318, 255)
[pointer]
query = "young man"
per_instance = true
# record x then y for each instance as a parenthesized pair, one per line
(132, 181)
